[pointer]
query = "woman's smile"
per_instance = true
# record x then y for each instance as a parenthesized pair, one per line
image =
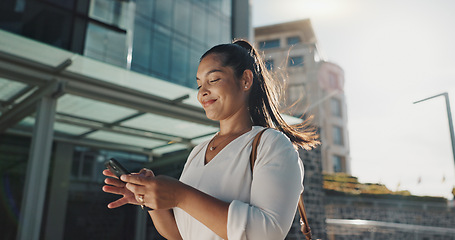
(207, 103)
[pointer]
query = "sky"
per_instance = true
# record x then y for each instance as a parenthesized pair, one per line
(393, 53)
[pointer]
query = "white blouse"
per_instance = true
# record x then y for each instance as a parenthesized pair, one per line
(261, 207)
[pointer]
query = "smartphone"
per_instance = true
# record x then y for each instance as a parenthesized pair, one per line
(116, 168)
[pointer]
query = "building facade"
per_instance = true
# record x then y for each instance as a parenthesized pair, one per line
(313, 86)
(161, 38)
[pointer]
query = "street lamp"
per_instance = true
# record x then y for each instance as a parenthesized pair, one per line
(449, 116)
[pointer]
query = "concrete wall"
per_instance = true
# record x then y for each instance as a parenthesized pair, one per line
(414, 214)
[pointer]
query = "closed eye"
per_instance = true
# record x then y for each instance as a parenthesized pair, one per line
(215, 80)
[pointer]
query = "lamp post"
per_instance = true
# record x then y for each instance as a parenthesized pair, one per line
(449, 116)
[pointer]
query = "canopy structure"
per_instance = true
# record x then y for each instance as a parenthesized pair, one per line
(97, 104)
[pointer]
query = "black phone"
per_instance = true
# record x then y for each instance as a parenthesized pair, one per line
(116, 168)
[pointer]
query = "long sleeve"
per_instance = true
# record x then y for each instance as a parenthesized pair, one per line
(275, 190)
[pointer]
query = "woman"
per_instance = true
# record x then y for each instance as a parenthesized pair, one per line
(217, 196)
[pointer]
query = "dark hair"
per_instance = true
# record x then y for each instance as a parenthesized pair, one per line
(264, 96)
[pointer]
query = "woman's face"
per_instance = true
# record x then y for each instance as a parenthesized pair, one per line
(221, 94)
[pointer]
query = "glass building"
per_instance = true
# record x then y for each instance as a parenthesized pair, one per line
(82, 81)
(161, 38)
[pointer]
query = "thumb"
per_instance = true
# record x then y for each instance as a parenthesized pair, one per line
(137, 179)
(146, 172)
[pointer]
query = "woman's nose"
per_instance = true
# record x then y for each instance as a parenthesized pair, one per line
(203, 90)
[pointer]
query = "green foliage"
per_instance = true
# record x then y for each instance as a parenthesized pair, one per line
(344, 184)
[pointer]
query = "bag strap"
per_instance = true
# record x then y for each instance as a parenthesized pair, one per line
(254, 149)
(304, 226)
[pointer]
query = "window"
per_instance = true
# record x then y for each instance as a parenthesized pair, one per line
(213, 30)
(163, 12)
(182, 15)
(293, 40)
(114, 13)
(83, 165)
(179, 58)
(269, 44)
(198, 24)
(161, 51)
(141, 45)
(296, 61)
(337, 135)
(106, 45)
(295, 93)
(338, 163)
(269, 64)
(335, 106)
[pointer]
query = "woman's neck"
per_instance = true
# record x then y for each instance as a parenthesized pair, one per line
(238, 124)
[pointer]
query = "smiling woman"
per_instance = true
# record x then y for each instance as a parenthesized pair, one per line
(217, 196)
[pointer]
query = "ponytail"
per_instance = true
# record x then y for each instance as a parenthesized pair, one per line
(264, 95)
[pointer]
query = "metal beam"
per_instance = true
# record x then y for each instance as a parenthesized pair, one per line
(119, 129)
(58, 192)
(38, 74)
(27, 106)
(449, 118)
(37, 171)
(140, 101)
(24, 70)
(90, 143)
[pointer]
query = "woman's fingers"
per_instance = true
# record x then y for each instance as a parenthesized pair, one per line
(114, 190)
(146, 172)
(118, 203)
(114, 182)
(130, 186)
(136, 189)
(137, 179)
(107, 172)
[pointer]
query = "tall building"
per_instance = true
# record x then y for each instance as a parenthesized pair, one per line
(161, 38)
(85, 80)
(313, 86)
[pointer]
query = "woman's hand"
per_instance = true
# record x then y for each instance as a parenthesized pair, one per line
(159, 192)
(115, 186)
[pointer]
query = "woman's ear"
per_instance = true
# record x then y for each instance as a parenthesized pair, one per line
(247, 80)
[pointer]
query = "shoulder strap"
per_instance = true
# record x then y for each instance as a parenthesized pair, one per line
(254, 149)
(304, 227)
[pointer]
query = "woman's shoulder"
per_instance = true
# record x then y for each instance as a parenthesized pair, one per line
(273, 136)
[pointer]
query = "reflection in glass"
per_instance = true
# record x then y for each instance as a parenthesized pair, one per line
(145, 8)
(213, 30)
(163, 12)
(179, 57)
(181, 17)
(110, 12)
(142, 42)
(161, 51)
(198, 24)
(105, 45)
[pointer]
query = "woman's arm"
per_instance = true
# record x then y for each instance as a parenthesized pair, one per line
(164, 222)
(275, 189)
(163, 192)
